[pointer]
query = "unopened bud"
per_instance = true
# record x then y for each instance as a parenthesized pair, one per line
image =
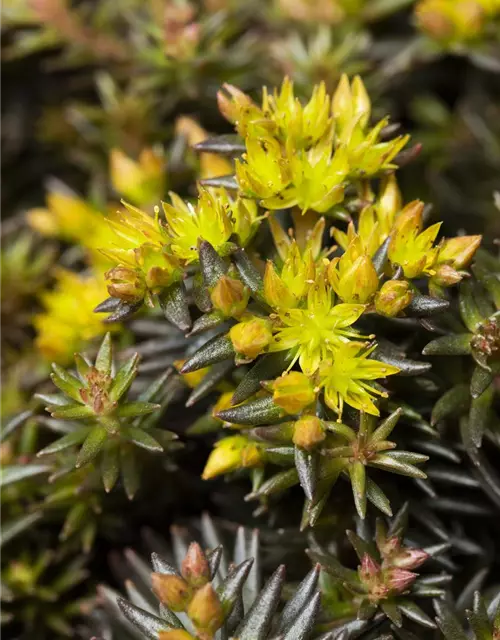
(195, 568)
(205, 610)
(389, 201)
(361, 101)
(276, 292)
(126, 284)
(293, 392)
(230, 296)
(399, 580)
(369, 569)
(308, 432)
(446, 276)
(236, 106)
(458, 252)
(230, 454)
(251, 337)
(389, 546)
(410, 558)
(172, 591)
(393, 298)
(342, 108)
(357, 284)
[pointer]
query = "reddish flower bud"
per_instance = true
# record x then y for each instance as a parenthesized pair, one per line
(195, 568)
(399, 580)
(410, 558)
(172, 591)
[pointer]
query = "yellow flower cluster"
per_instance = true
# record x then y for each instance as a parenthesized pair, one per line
(304, 155)
(68, 322)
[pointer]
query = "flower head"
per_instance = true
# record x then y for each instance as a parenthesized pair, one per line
(318, 329)
(410, 247)
(214, 218)
(347, 378)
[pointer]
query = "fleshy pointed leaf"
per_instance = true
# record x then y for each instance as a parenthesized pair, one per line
(147, 623)
(92, 446)
(17, 472)
(301, 597)
(69, 440)
(266, 368)
(174, 304)
(124, 378)
(141, 439)
(256, 412)
(303, 625)
(451, 403)
(210, 381)
(425, 306)
(258, 620)
(454, 345)
(104, 358)
(357, 473)
(217, 349)
(110, 467)
(212, 266)
(224, 145)
(306, 465)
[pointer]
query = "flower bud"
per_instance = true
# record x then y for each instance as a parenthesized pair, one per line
(358, 283)
(293, 392)
(230, 296)
(369, 569)
(446, 276)
(251, 337)
(360, 101)
(399, 580)
(458, 252)
(389, 546)
(342, 107)
(410, 558)
(195, 568)
(205, 610)
(230, 454)
(308, 432)
(125, 283)
(236, 106)
(276, 292)
(389, 203)
(172, 591)
(393, 297)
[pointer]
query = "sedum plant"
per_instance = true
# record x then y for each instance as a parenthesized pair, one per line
(197, 602)
(113, 427)
(329, 338)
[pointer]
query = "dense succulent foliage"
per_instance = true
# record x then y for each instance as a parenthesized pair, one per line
(225, 291)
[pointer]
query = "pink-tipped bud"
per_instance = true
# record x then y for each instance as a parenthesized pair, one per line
(399, 580)
(195, 568)
(410, 558)
(369, 569)
(390, 546)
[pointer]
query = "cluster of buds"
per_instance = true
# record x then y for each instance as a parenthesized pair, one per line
(391, 574)
(191, 592)
(385, 579)
(111, 425)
